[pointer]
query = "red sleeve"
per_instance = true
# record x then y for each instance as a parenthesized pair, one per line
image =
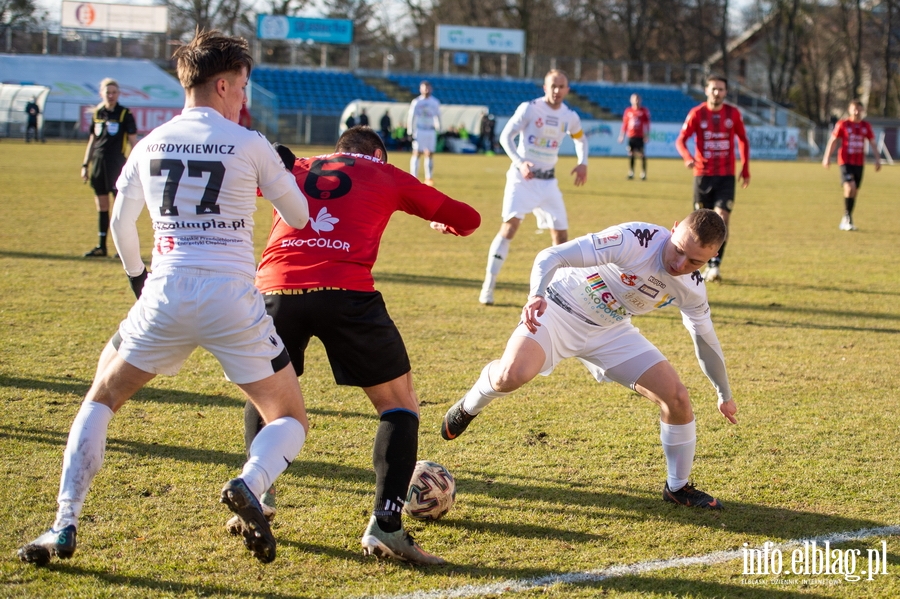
(870, 133)
(461, 219)
(686, 131)
(625, 120)
(743, 144)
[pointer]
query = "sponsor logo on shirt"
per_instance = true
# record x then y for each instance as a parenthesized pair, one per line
(323, 222)
(628, 278)
(553, 121)
(598, 293)
(648, 290)
(543, 142)
(665, 301)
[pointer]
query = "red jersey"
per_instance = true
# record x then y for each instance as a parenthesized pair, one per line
(351, 199)
(636, 122)
(853, 138)
(715, 132)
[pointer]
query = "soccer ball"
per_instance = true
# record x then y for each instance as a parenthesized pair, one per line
(432, 492)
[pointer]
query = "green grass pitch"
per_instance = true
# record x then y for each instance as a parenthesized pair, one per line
(562, 477)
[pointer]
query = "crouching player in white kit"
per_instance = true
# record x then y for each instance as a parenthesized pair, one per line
(531, 184)
(198, 176)
(582, 296)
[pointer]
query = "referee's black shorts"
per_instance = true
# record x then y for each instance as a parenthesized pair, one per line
(852, 172)
(714, 191)
(104, 173)
(363, 344)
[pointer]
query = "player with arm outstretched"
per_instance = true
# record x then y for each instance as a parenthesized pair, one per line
(531, 184)
(197, 175)
(583, 294)
(317, 282)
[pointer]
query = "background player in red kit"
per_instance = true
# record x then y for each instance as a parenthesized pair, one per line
(715, 124)
(636, 126)
(853, 133)
(317, 281)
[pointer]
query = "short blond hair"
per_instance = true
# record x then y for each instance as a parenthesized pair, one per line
(107, 82)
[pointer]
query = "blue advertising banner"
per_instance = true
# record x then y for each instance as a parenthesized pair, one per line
(328, 31)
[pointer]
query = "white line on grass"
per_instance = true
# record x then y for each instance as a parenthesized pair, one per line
(717, 557)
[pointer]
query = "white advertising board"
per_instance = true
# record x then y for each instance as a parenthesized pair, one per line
(114, 17)
(480, 39)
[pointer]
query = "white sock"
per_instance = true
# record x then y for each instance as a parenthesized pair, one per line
(679, 442)
(429, 167)
(482, 393)
(497, 255)
(414, 165)
(271, 452)
(81, 460)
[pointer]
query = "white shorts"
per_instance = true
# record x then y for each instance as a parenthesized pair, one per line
(539, 196)
(182, 308)
(618, 353)
(424, 140)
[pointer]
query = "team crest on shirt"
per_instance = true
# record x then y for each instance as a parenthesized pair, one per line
(729, 123)
(539, 123)
(628, 278)
(703, 124)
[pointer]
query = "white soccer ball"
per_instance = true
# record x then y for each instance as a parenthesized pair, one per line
(432, 492)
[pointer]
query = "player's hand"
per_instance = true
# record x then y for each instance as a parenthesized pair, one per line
(621, 139)
(287, 156)
(728, 409)
(525, 169)
(533, 309)
(745, 181)
(137, 283)
(826, 161)
(580, 173)
(689, 164)
(84, 174)
(877, 166)
(445, 229)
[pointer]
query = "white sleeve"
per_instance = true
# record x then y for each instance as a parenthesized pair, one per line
(411, 116)
(123, 226)
(293, 208)
(581, 149)
(571, 254)
(711, 359)
(437, 117)
(513, 127)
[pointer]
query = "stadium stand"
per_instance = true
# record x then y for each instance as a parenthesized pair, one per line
(316, 91)
(667, 105)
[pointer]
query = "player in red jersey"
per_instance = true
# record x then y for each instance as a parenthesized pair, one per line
(852, 133)
(636, 126)
(715, 124)
(317, 281)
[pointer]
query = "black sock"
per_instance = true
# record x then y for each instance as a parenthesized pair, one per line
(631, 162)
(849, 204)
(253, 423)
(643, 163)
(103, 227)
(716, 261)
(394, 458)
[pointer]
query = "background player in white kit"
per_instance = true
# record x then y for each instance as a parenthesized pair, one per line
(423, 121)
(582, 296)
(531, 184)
(198, 176)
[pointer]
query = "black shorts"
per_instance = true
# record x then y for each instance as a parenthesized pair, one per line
(104, 173)
(714, 191)
(850, 172)
(363, 344)
(636, 144)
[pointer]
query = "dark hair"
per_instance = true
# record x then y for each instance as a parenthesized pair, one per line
(707, 227)
(717, 78)
(209, 54)
(361, 139)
